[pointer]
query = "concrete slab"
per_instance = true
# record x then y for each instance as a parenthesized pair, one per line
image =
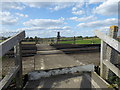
(51, 61)
(60, 81)
(55, 60)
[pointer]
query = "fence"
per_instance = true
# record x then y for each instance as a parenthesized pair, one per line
(110, 48)
(5, 46)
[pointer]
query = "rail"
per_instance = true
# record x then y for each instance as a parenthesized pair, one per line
(110, 48)
(16, 71)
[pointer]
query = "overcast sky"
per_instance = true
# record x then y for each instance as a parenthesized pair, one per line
(44, 19)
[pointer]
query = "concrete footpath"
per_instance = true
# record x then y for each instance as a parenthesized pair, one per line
(49, 58)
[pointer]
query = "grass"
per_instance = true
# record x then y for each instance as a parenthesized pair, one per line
(28, 42)
(69, 40)
(84, 41)
(1, 41)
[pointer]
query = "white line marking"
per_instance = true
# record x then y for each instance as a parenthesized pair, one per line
(42, 64)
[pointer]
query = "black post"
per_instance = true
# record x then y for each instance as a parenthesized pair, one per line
(58, 37)
(74, 40)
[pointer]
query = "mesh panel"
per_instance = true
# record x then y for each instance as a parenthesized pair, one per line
(7, 34)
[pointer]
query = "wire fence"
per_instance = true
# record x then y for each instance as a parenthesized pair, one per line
(6, 35)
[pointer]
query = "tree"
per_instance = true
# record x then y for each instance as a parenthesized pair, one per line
(31, 39)
(86, 37)
(95, 36)
(36, 39)
(80, 37)
(27, 37)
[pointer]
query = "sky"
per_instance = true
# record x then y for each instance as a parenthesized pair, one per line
(45, 19)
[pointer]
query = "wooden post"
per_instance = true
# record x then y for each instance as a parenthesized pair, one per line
(18, 62)
(111, 54)
(103, 57)
(0, 67)
(0, 61)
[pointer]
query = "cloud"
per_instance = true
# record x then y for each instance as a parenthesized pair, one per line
(7, 34)
(104, 28)
(109, 7)
(99, 23)
(61, 5)
(12, 5)
(7, 31)
(77, 6)
(55, 6)
(83, 19)
(80, 12)
(7, 18)
(22, 15)
(38, 4)
(96, 1)
(44, 22)
(46, 28)
(47, 31)
(59, 28)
